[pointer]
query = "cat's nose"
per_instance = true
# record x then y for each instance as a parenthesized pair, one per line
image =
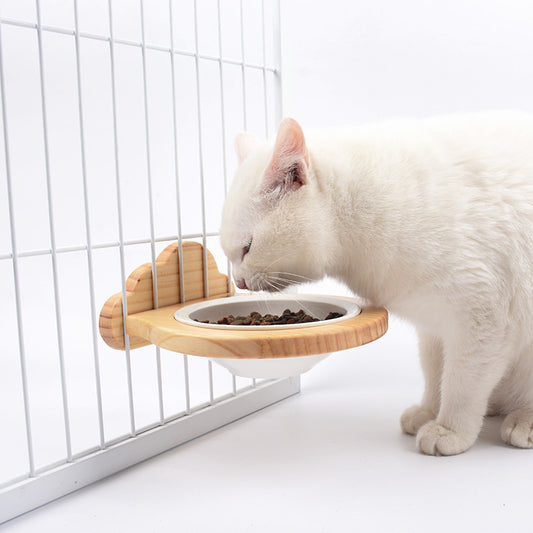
(241, 284)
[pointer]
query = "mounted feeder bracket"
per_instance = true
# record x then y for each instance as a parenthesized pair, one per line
(147, 323)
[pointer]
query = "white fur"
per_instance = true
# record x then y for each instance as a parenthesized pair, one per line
(432, 219)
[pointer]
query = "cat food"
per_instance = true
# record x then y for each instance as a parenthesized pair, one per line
(257, 319)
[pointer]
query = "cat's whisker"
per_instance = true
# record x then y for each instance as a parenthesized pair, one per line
(261, 294)
(289, 281)
(272, 283)
(265, 300)
(273, 286)
(278, 259)
(292, 297)
(306, 278)
(281, 282)
(285, 272)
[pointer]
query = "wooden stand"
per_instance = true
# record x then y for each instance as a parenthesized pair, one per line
(146, 325)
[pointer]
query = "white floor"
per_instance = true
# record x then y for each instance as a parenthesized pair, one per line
(328, 460)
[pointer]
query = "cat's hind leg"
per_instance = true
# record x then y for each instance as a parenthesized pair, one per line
(416, 416)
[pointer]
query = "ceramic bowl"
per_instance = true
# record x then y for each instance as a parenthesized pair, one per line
(276, 367)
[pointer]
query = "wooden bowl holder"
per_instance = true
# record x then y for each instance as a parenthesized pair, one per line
(150, 323)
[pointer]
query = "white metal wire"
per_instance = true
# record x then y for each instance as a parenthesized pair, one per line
(90, 268)
(126, 42)
(200, 150)
(59, 326)
(151, 207)
(178, 198)
(277, 59)
(120, 228)
(175, 145)
(99, 246)
(249, 395)
(265, 91)
(16, 277)
(243, 70)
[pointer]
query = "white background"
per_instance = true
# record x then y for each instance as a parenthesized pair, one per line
(333, 459)
(347, 62)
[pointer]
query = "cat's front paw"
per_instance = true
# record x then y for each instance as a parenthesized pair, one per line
(434, 439)
(414, 418)
(517, 428)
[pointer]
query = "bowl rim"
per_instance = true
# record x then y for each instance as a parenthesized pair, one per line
(352, 310)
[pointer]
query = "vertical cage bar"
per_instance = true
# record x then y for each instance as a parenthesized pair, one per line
(120, 228)
(202, 178)
(210, 373)
(16, 279)
(223, 117)
(187, 384)
(200, 148)
(176, 153)
(96, 356)
(277, 59)
(224, 148)
(265, 92)
(151, 207)
(243, 71)
(186, 376)
(52, 236)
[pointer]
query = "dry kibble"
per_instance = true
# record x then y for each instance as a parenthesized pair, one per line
(257, 319)
(333, 315)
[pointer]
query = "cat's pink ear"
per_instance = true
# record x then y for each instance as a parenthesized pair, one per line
(290, 158)
(245, 144)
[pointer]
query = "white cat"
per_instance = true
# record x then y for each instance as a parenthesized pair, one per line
(432, 219)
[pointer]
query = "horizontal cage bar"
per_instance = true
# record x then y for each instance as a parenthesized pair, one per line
(137, 44)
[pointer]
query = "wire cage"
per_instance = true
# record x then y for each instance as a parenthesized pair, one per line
(117, 118)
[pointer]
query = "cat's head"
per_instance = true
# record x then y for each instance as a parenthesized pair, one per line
(272, 223)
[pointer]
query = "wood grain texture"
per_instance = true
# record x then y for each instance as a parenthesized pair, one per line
(159, 327)
(139, 289)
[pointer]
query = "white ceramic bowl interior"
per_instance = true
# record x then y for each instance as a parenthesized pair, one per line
(277, 367)
(313, 304)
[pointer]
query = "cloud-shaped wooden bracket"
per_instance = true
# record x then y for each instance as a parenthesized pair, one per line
(148, 323)
(140, 294)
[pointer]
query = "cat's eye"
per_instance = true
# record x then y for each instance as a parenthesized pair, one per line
(246, 249)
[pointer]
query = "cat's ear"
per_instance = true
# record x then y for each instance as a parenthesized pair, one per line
(245, 144)
(288, 167)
